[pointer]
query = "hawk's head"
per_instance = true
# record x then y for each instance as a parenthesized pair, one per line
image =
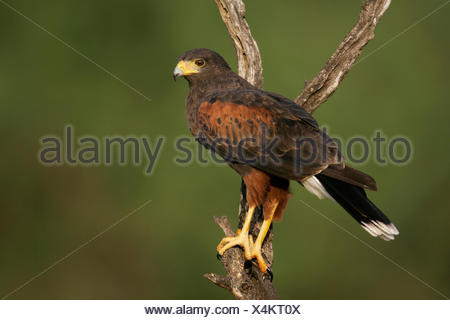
(200, 63)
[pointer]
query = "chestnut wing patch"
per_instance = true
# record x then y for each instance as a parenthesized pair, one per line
(234, 122)
(242, 133)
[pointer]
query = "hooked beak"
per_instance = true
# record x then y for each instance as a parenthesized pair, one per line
(184, 68)
(177, 73)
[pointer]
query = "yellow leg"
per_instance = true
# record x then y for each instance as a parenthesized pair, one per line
(241, 239)
(256, 247)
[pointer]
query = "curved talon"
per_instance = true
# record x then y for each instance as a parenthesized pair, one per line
(218, 256)
(270, 273)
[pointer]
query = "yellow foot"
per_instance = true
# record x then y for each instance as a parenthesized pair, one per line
(257, 254)
(241, 239)
(251, 250)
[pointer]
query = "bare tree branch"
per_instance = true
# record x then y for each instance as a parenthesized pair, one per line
(244, 280)
(327, 81)
(247, 51)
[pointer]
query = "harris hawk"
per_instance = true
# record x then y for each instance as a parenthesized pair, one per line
(269, 140)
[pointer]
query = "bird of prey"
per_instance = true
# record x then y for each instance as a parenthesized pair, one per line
(269, 140)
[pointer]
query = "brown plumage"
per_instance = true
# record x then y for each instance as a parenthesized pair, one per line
(241, 123)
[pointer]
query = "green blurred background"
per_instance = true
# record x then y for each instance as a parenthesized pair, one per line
(162, 251)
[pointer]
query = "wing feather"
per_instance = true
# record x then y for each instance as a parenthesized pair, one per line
(243, 125)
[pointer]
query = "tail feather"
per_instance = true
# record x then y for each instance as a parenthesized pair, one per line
(354, 200)
(351, 175)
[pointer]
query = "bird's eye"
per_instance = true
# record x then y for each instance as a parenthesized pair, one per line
(200, 62)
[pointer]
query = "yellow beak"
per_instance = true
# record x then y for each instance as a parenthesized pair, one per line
(185, 68)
